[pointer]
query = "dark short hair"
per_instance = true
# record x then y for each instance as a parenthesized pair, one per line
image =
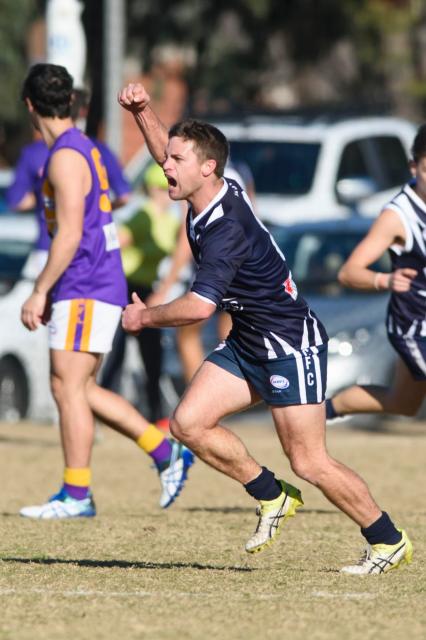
(418, 150)
(209, 142)
(49, 87)
(79, 102)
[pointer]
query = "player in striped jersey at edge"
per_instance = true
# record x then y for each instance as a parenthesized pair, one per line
(84, 280)
(276, 350)
(400, 228)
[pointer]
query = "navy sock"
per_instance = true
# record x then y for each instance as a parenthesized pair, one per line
(383, 531)
(330, 411)
(264, 487)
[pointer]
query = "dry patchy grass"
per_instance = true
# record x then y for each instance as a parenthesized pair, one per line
(135, 571)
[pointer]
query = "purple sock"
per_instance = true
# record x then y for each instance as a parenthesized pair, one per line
(162, 454)
(78, 493)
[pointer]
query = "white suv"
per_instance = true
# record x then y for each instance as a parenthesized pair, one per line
(308, 169)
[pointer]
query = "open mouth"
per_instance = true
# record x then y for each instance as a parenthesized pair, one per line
(172, 182)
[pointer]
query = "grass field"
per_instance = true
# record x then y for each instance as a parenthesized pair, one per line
(135, 571)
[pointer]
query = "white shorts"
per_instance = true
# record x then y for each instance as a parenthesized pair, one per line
(83, 325)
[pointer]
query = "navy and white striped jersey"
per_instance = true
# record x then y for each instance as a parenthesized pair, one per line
(407, 311)
(241, 270)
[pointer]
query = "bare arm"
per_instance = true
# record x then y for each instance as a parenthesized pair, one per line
(187, 309)
(355, 273)
(70, 178)
(134, 98)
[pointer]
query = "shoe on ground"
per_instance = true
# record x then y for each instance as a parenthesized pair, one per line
(61, 506)
(380, 558)
(272, 514)
(174, 476)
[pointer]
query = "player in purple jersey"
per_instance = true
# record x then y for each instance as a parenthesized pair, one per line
(24, 194)
(84, 280)
(399, 229)
(276, 350)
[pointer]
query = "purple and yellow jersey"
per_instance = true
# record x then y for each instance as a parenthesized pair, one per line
(96, 271)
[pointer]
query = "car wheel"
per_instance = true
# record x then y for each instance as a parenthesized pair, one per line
(14, 393)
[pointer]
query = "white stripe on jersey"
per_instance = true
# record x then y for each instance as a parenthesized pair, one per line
(416, 353)
(394, 206)
(288, 350)
(305, 337)
(413, 220)
(217, 197)
(412, 330)
(301, 376)
(318, 339)
(203, 298)
(271, 353)
(317, 373)
(216, 214)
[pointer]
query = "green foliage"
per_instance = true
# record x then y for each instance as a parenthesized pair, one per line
(15, 17)
(239, 43)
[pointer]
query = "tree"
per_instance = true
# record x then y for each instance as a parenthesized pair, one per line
(15, 18)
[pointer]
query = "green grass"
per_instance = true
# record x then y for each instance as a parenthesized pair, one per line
(135, 571)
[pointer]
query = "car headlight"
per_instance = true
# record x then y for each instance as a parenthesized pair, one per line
(345, 343)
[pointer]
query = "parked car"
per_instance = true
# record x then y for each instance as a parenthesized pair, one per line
(24, 363)
(314, 168)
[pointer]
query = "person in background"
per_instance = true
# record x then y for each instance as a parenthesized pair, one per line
(80, 293)
(399, 229)
(145, 239)
(25, 192)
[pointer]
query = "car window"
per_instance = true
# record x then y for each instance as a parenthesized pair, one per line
(380, 159)
(315, 258)
(353, 163)
(392, 158)
(281, 168)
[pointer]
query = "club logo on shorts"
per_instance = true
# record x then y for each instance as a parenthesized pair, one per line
(279, 382)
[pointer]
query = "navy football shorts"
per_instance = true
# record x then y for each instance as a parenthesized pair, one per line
(299, 378)
(412, 352)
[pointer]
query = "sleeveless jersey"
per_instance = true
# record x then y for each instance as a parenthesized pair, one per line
(241, 269)
(407, 311)
(95, 271)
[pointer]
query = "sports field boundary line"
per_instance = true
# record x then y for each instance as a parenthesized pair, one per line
(86, 593)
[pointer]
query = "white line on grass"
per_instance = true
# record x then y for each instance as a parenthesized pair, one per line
(89, 593)
(344, 596)
(135, 594)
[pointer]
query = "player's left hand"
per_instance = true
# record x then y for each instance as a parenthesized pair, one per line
(131, 318)
(32, 310)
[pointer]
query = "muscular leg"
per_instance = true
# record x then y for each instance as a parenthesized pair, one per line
(301, 430)
(114, 411)
(70, 372)
(213, 394)
(404, 397)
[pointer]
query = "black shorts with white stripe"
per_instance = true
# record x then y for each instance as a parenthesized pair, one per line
(299, 378)
(412, 351)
